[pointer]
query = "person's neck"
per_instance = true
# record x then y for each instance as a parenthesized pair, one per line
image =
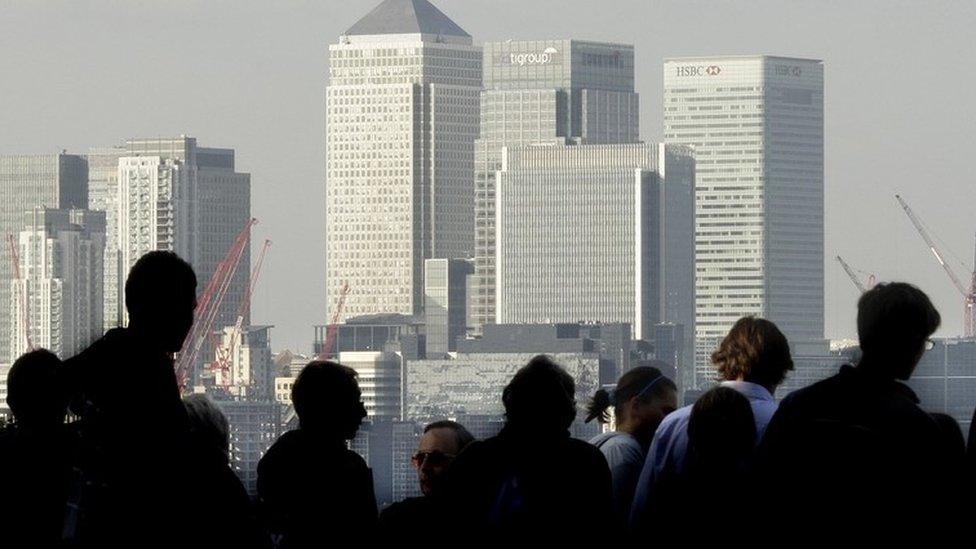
(876, 367)
(763, 385)
(636, 430)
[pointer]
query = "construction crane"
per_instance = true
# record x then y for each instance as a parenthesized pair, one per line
(854, 278)
(24, 296)
(223, 353)
(330, 332)
(967, 293)
(850, 273)
(208, 304)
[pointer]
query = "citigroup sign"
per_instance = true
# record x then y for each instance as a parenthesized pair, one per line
(544, 57)
(697, 70)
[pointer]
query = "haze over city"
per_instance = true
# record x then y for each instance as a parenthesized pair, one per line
(252, 76)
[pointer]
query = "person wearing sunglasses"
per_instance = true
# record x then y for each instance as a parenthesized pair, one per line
(640, 400)
(441, 442)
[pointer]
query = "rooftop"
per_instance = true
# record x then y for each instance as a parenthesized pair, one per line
(406, 17)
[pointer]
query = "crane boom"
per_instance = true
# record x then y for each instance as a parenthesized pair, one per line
(326, 351)
(224, 353)
(850, 273)
(933, 248)
(968, 294)
(208, 304)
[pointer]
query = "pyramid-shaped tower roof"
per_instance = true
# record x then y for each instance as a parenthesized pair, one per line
(406, 17)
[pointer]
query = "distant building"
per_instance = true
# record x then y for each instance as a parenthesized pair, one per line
(379, 376)
(543, 92)
(60, 260)
(401, 120)
(377, 332)
(468, 388)
(813, 361)
(387, 446)
(254, 426)
(250, 370)
(595, 233)
(756, 124)
(445, 301)
(57, 181)
(945, 379)
(171, 194)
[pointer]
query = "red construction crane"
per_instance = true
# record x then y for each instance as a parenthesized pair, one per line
(967, 293)
(330, 332)
(208, 304)
(224, 353)
(24, 296)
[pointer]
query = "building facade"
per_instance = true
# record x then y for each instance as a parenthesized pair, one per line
(543, 92)
(445, 303)
(756, 125)
(58, 181)
(583, 235)
(57, 299)
(401, 119)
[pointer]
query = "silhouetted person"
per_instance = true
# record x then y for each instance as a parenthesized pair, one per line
(440, 444)
(218, 494)
(752, 359)
(640, 400)
(133, 423)
(33, 454)
(532, 481)
(859, 454)
(721, 445)
(314, 492)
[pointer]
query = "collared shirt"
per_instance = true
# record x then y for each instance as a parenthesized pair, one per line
(670, 445)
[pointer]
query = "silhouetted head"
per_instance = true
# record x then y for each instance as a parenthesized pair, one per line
(756, 351)
(540, 399)
(35, 393)
(441, 443)
(208, 425)
(327, 399)
(894, 321)
(160, 295)
(641, 399)
(721, 433)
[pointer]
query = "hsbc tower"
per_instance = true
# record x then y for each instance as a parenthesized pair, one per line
(756, 126)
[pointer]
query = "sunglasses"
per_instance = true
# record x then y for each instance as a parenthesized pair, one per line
(434, 458)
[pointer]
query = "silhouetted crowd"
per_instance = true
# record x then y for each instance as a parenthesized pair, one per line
(850, 457)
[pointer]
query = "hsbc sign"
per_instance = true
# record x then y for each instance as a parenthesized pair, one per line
(698, 70)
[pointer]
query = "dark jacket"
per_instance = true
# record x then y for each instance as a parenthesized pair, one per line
(129, 480)
(854, 451)
(315, 492)
(530, 486)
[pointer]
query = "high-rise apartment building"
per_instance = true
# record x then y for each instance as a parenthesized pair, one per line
(554, 92)
(58, 181)
(756, 125)
(401, 117)
(57, 298)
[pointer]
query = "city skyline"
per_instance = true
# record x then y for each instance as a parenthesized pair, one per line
(877, 112)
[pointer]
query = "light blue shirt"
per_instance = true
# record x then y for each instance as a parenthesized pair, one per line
(625, 456)
(670, 445)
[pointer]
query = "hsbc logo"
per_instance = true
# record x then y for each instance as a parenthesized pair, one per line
(698, 70)
(787, 70)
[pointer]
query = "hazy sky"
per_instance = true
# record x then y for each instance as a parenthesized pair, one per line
(900, 113)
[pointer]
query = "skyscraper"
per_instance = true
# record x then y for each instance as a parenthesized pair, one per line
(445, 302)
(170, 194)
(402, 116)
(103, 186)
(59, 290)
(543, 92)
(756, 124)
(583, 233)
(28, 182)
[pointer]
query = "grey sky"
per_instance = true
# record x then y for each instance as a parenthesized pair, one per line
(900, 114)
